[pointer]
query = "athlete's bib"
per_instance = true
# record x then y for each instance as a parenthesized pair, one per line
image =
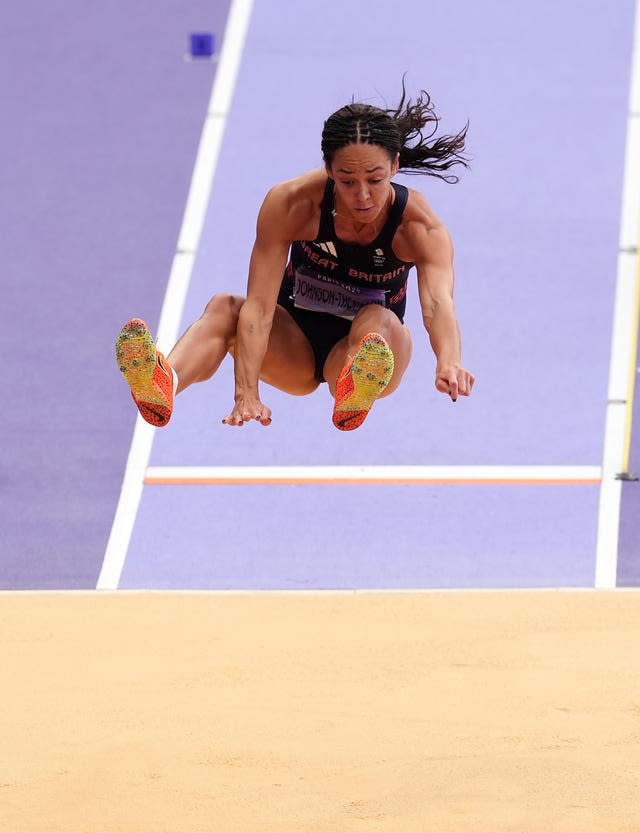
(323, 294)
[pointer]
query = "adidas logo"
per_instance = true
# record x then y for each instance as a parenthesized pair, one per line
(329, 248)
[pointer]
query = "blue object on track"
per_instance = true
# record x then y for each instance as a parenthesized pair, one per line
(201, 44)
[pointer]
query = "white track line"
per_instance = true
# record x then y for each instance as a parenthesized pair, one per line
(178, 284)
(623, 357)
(181, 475)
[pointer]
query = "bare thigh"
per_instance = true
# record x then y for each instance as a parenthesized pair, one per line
(289, 363)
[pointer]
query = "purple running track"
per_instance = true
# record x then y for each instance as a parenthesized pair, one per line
(536, 226)
(101, 119)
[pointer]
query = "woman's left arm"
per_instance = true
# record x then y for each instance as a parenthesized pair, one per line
(433, 256)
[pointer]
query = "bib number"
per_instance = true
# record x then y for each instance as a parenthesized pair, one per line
(318, 294)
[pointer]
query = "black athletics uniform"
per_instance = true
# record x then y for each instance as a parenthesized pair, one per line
(327, 281)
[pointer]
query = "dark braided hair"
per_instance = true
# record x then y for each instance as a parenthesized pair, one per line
(407, 130)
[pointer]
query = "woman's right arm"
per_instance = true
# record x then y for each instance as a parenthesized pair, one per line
(266, 267)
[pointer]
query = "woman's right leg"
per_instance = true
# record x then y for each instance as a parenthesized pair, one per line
(199, 352)
(289, 362)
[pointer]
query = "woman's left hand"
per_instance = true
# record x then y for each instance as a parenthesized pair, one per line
(454, 381)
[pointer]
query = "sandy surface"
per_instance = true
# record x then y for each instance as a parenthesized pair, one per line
(177, 713)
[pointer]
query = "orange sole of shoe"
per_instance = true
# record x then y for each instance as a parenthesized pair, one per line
(136, 357)
(362, 381)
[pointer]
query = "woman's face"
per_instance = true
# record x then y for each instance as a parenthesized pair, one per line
(362, 174)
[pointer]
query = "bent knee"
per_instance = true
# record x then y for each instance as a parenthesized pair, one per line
(376, 313)
(374, 318)
(224, 304)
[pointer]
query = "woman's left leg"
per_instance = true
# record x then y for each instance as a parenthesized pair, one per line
(366, 365)
(371, 319)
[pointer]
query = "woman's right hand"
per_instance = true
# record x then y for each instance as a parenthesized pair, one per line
(248, 409)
